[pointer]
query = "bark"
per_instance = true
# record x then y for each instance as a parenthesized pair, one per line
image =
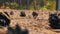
(34, 4)
(27, 5)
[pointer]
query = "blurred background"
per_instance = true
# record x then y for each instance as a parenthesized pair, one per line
(28, 4)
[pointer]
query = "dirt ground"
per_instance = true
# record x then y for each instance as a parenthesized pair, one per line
(34, 26)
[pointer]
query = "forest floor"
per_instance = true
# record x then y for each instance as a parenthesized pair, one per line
(34, 26)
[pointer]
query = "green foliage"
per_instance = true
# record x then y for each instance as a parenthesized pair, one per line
(50, 5)
(15, 5)
(31, 7)
(24, 8)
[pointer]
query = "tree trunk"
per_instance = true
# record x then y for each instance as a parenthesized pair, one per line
(14, 0)
(27, 5)
(20, 4)
(34, 4)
